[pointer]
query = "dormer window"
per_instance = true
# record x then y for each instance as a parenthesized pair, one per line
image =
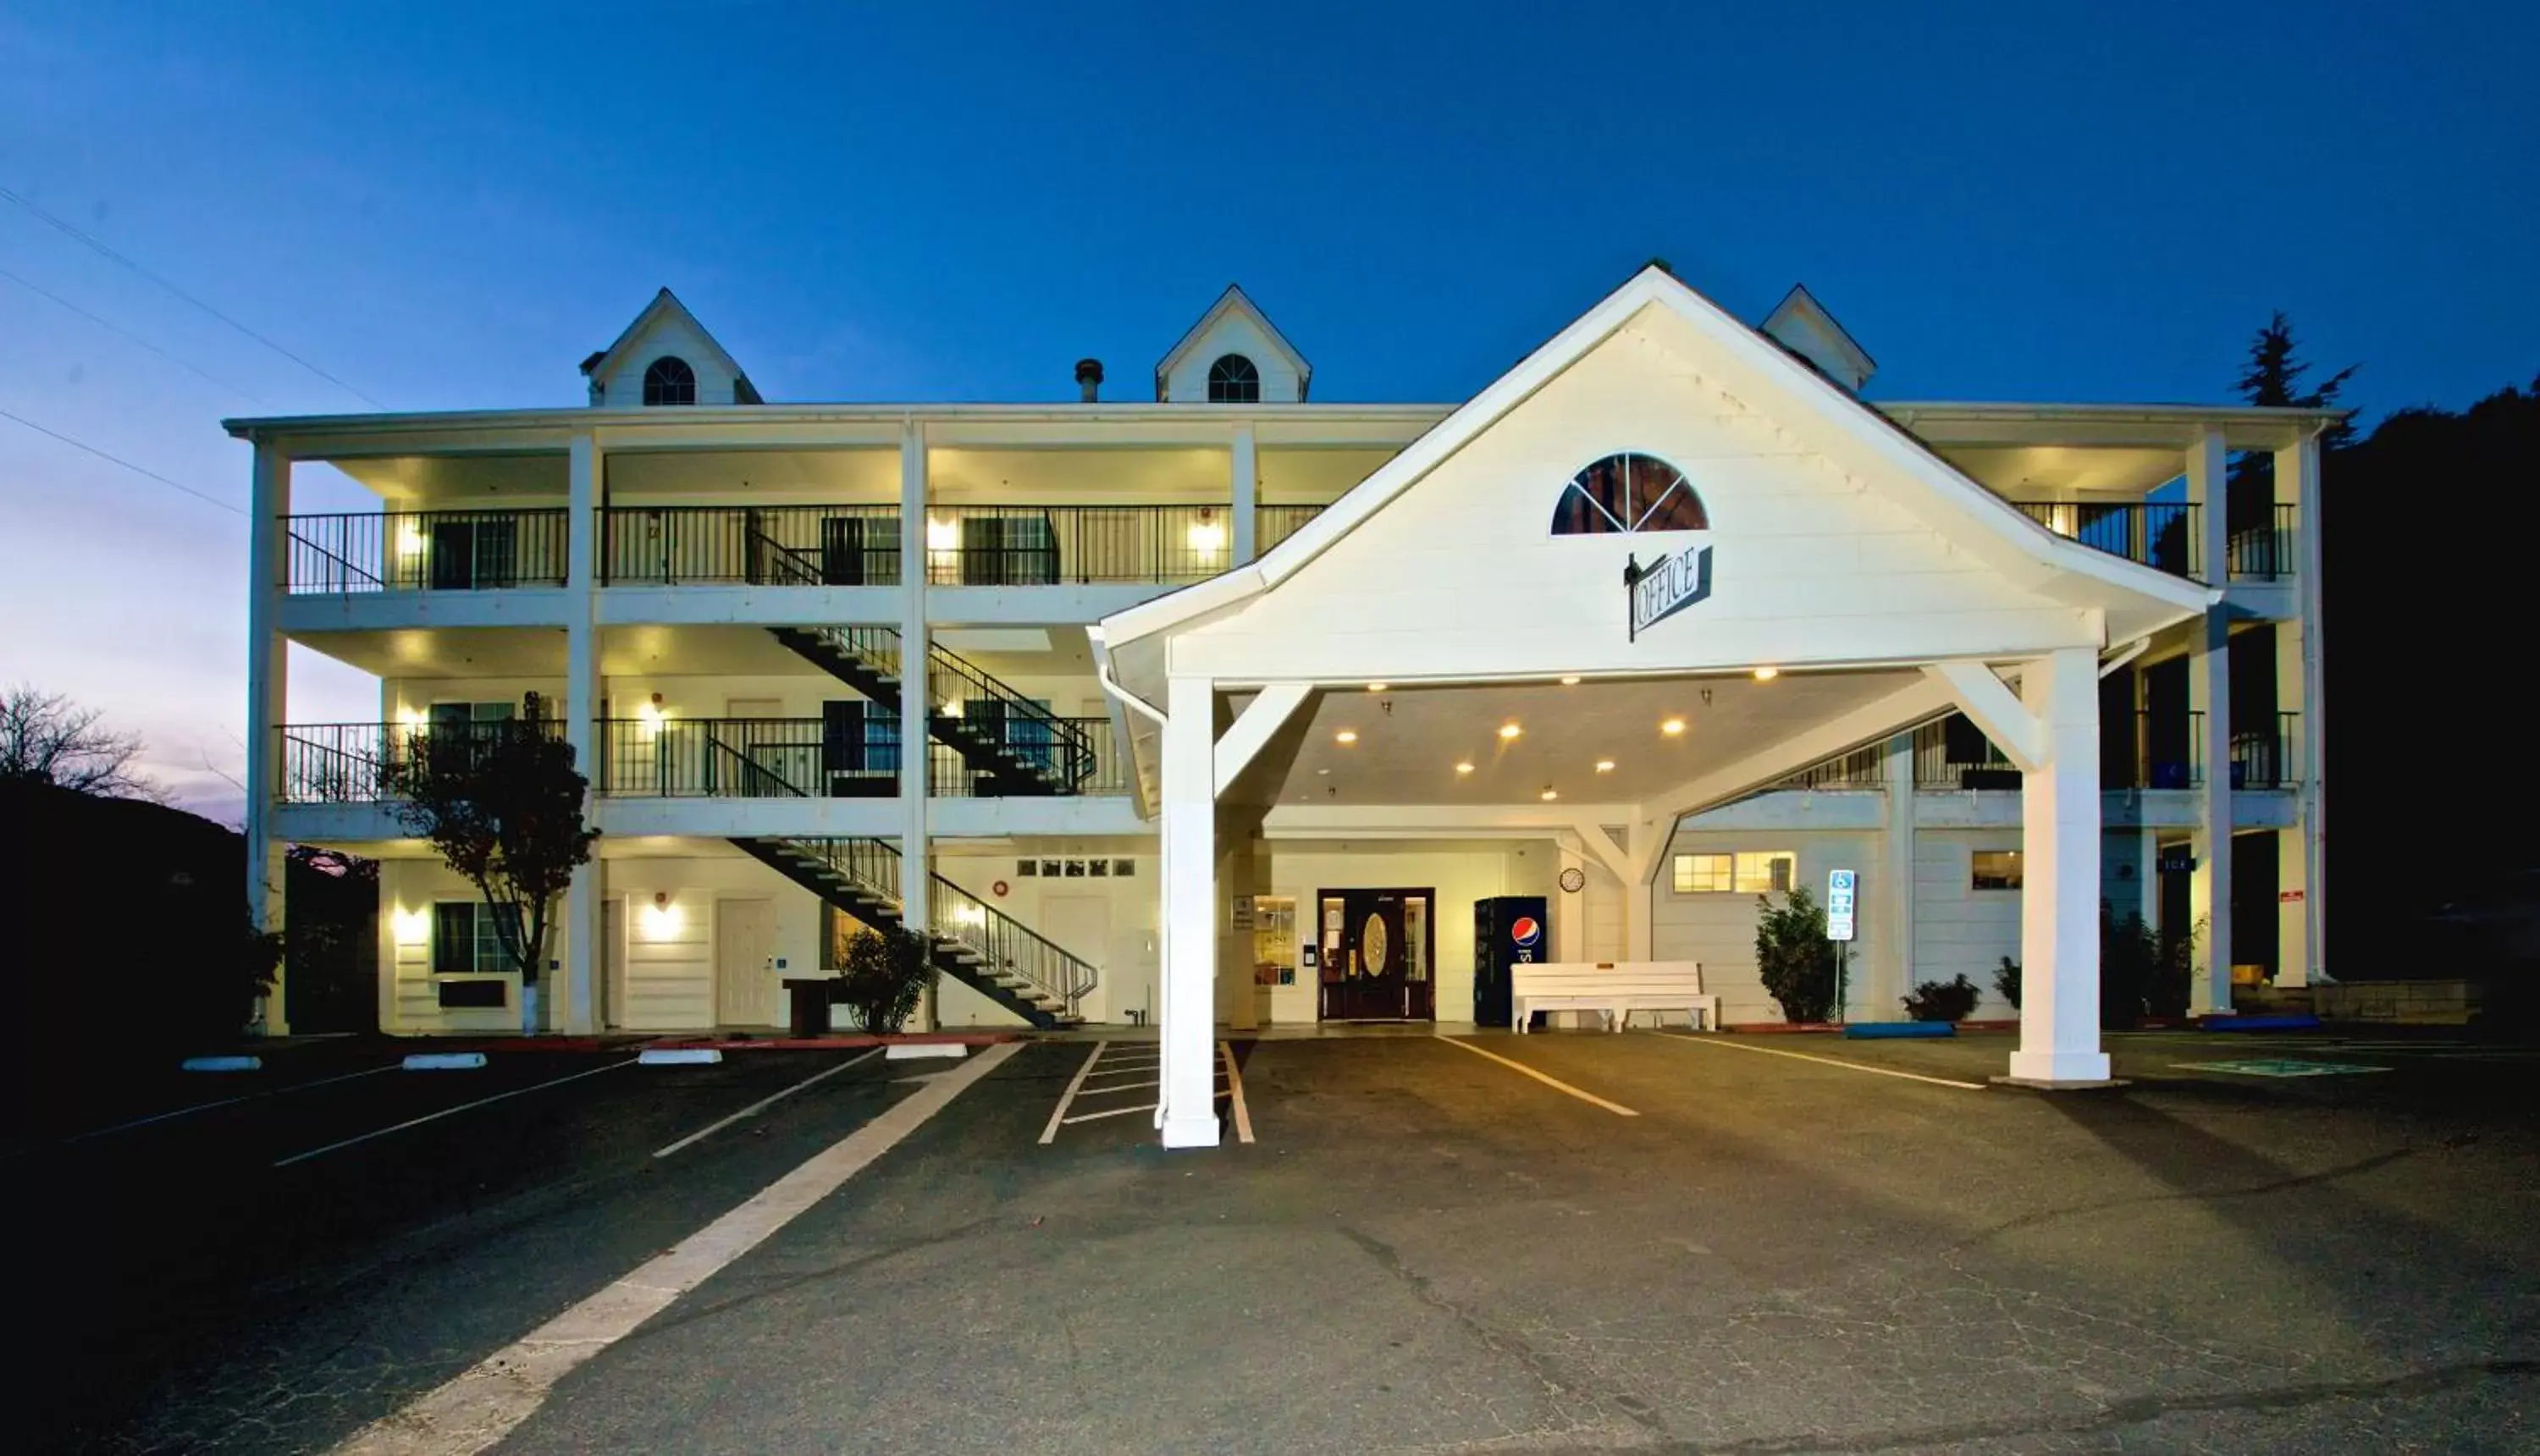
(670, 380)
(1232, 379)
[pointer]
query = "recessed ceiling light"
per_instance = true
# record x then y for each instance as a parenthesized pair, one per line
(1604, 765)
(1376, 687)
(1550, 793)
(1571, 681)
(1346, 735)
(1671, 727)
(1510, 730)
(1767, 674)
(1326, 773)
(1463, 768)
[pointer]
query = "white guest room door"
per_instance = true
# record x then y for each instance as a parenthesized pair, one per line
(745, 962)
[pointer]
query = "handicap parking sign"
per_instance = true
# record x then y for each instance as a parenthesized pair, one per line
(1840, 885)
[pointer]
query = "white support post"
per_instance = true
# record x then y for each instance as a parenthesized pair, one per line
(2209, 691)
(1647, 845)
(574, 1002)
(2297, 485)
(1244, 468)
(1569, 910)
(916, 745)
(2058, 904)
(2207, 495)
(268, 695)
(1891, 961)
(1186, 1112)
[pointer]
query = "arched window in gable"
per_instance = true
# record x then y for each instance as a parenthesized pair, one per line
(670, 380)
(1628, 493)
(1232, 379)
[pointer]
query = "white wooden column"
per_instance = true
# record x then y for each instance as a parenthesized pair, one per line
(268, 696)
(1891, 962)
(2058, 899)
(2297, 485)
(1568, 909)
(1244, 475)
(916, 746)
(2209, 691)
(1186, 1110)
(572, 997)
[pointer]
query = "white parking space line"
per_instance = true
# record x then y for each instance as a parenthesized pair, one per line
(1095, 1117)
(1058, 1114)
(1126, 1086)
(416, 1122)
(1616, 1108)
(1739, 1046)
(489, 1399)
(765, 1103)
(160, 1116)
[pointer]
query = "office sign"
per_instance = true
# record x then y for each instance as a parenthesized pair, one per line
(1841, 885)
(1665, 587)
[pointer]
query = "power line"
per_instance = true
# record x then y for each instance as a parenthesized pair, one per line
(176, 485)
(70, 231)
(128, 335)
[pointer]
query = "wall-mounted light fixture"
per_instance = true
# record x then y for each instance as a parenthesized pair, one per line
(1206, 535)
(650, 715)
(662, 920)
(409, 541)
(411, 927)
(943, 535)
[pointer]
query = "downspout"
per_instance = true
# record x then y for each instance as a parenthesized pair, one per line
(1163, 910)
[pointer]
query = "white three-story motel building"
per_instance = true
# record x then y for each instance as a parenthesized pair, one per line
(1170, 711)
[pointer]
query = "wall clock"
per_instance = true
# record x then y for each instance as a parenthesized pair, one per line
(1573, 881)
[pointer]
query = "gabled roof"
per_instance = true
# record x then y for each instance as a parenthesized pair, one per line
(1983, 522)
(1234, 299)
(666, 304)
(1800, 311)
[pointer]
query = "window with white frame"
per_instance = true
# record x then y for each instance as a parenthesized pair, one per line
(1741, 872)
(468, 939)
(1997, 870)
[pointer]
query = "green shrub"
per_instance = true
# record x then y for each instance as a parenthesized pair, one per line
(886, 971)
(2144, 972)
(1796, 957)
(1942, 1000)
(2005, 979)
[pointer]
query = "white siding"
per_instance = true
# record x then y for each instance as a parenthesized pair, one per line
(1959, 930)
(1460, 574)
(1233, 333)
(1127, 965)
(1458, 876)
(1718, 930)
(669, 335)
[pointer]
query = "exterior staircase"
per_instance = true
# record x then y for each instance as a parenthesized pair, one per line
(867, 659)
(976, 945)
(1050, 755)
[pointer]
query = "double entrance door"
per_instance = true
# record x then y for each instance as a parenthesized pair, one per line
(1377, 951)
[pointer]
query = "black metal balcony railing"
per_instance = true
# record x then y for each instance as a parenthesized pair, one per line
(1082, 752)
(747, 759)
(425, 551)
(2268, 758)
(364, 762)
(1862, 768)
(2266, 553)
(1272, 524)
(780, 545)
(1049, 545)
(2162, 534)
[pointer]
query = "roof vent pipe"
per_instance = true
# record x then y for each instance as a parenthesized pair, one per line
(1089, 379)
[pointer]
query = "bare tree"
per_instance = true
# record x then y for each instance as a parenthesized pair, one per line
(46, 738)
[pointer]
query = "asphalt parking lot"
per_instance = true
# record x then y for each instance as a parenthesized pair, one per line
(1575, 1242)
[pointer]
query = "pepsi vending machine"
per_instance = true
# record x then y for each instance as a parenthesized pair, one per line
(1507, 930)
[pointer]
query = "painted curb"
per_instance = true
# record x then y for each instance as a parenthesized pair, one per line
(910, 1051)
(222, 1063)
(678, 1057)
(1897, 1030)
(444, 1061)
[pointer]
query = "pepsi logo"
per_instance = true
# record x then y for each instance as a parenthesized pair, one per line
(1527, 931)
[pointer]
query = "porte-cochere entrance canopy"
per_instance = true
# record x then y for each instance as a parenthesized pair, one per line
(1765, 520)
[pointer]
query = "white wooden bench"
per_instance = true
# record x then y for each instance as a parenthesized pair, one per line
(1611, 989)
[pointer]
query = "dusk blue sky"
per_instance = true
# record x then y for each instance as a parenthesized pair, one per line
(449, 207)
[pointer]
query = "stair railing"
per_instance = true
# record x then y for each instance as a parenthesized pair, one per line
(1001, 942)
(951, 677)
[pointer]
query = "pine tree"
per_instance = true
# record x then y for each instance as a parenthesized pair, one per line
(2272, 378)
